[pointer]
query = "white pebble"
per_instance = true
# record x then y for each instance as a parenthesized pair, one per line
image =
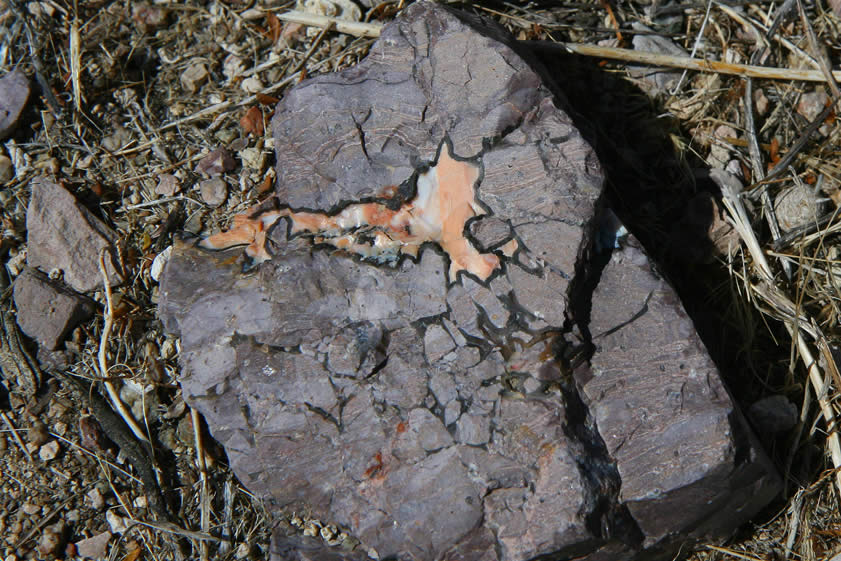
(159, 263)
(252, 85)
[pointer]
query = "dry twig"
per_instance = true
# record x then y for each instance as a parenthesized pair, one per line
(204, 500)
(733, 553)
(355, 28)
(613, 53)
(654, 59)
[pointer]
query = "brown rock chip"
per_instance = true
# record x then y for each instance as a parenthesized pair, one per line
(46, 311)
(194, 76)
(65, 235)
(213, 191)
(94, 547)
(216, 162)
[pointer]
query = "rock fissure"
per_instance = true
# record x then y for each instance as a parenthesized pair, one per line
(445, 200)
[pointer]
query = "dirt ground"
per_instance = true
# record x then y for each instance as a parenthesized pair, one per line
(129, 97)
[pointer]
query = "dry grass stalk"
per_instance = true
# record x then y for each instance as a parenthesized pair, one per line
(793, 522)
(313, 47)
(227, 515)
(797, 323)
(123, 504)
(15, 435)
(613, 53)
(113, 394)
(76, 63)
(733, 553)
(357, 29)
(671, 61)
(699, 39)
(204, 500)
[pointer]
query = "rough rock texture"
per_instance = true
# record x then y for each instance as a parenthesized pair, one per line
(64, 235)
(427, 411)
(662, 411)
(14, 93)
(46, 311)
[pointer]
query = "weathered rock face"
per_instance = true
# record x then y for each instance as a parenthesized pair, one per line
(396, 366)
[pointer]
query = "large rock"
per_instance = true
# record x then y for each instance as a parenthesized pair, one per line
(396, 366)
(64, 235)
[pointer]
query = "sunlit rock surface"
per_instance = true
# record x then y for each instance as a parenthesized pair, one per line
(417, 353)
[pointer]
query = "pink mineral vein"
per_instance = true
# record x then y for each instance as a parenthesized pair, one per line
(444, 202)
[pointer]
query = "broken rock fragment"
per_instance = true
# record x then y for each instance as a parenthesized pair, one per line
(213, 191)
(64, 235)
(194, 76)
(662, 410)
(391, 360)
(94, 547)
(46, 311)
(217, 162)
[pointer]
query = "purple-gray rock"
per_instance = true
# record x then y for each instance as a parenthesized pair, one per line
(217, 162)
(46, 311)
(64, 235)
(663, 413)
(396, 366)
(14, 93)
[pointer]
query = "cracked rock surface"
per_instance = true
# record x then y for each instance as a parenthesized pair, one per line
(373, 374)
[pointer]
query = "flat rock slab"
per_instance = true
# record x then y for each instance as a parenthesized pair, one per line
(14, 93)
(47, 311)
(64, 235)
(394, 367)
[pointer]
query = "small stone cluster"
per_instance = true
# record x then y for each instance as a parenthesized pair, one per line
(67, 247)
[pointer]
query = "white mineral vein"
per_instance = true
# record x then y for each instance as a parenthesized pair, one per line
(444, 202)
